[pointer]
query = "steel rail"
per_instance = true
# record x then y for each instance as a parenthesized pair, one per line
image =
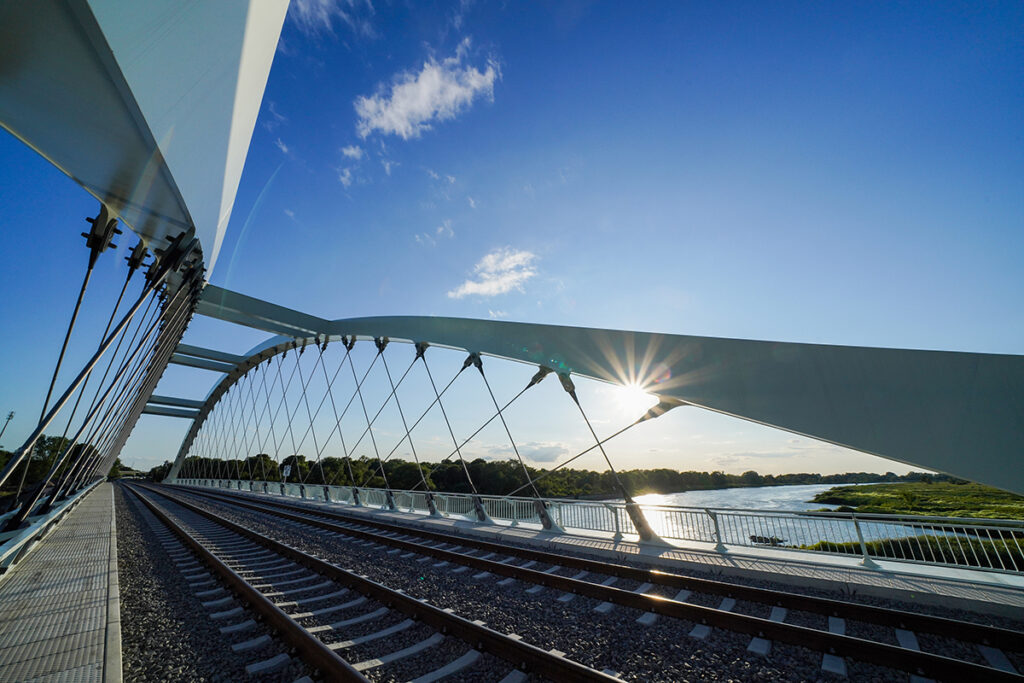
(517, 652)
(314, 651)
(860, 649)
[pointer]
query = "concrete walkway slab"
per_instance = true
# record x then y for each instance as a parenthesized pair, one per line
(60, 607)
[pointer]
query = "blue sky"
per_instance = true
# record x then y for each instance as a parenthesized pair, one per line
(832, 173)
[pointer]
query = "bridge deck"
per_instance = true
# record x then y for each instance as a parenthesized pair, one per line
(990, 592)
(60, 607)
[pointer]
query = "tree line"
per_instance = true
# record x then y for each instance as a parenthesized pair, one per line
(41, 459)
(501, 477)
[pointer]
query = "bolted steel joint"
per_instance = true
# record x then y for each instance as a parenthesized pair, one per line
(421, 349)
(100, 237)
(135, 259)
(567, 384)
(542, 372)
(474, 359)
(381, 343)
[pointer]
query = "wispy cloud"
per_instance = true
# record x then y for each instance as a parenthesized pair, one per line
(537, 451)
(388, 165)
(318, 16)
(500, 271)
(413, 101)
(495, 315)
(472, 202)
(275, 117)
(460, 13)
(353, 152)
(443, 230)
(281, 146)
(289, 213)
(345, 176)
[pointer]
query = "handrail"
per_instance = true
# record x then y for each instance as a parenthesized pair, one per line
(989, 545)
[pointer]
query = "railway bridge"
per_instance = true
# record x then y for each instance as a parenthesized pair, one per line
(326, 516)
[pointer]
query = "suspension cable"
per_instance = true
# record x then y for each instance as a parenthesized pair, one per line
(487, 422)
(143, 321)
(334, 409)
(405, 425)
(153, 350)
(421, 353)
(480, 366)
(366, 415)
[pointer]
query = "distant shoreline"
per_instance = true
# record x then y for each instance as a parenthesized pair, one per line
(938, 498)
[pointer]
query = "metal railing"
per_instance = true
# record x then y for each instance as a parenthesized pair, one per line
(988, 544)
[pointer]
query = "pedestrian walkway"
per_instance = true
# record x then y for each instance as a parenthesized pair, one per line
(59, 606)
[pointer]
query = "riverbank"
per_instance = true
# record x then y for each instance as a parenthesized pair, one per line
(943, 499)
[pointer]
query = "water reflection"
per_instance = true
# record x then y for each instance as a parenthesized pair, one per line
(755, 498)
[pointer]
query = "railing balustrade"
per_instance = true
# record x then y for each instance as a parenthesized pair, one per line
(989, 544)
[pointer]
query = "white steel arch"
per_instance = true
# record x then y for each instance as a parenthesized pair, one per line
(953, 412)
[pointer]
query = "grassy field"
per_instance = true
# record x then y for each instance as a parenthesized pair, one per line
(920, 498)
(969, 552)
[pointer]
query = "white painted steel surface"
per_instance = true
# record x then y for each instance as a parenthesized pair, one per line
(149, 106)
(953, 412)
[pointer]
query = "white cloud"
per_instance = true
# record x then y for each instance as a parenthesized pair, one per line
(345, 176)
(439, 92)
(451, 179)
(472, 202)
(353, 152)
(275, 119)
(281, 146)
(536, 451)
(433, 174)
(430, 240)
(388, 165)
(289, 213)
(318, 16)
(500, 271)
(495, 315)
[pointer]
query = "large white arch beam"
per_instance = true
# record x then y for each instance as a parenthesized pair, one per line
(959, 413)
(149, 106)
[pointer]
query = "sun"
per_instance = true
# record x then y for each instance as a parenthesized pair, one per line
(632, 400)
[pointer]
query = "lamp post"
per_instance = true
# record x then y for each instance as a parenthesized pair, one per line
(10, 416)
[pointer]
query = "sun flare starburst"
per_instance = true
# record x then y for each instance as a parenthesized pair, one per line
(632, 400)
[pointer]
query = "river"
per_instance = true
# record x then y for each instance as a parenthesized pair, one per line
(794, 497)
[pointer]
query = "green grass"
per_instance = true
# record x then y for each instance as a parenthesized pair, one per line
(962, 551)
(942, 499)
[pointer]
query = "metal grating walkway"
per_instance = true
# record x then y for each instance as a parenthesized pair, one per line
(59, 606)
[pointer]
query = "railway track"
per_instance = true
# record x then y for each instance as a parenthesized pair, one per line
(314, 606)
(593, 579)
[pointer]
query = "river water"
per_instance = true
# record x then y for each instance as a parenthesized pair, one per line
(753, 498)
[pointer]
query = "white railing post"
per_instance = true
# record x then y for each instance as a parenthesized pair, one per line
(615, 518)
(866, 561)
(719, 546)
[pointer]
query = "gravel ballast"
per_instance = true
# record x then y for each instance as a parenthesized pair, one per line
(603, 640)
(166, 634)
